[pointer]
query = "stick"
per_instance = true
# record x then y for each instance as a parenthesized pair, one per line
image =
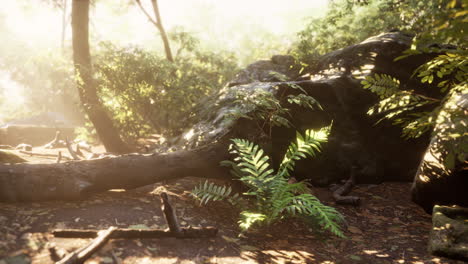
(340, 194)
(59, 156)
(80, 255)
(169, 214)
(57, 254)
(119, 233)
(78, 151)
(43, 154)
(70, 150)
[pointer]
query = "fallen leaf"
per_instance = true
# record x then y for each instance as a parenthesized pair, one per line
(230, 239)
(248, 248)
(138, 227)
(354, 257)
(107, 260)
(354, 230)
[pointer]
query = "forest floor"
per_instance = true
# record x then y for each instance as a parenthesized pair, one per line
(386, 228)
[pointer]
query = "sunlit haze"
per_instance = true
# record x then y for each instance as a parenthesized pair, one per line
(35, 27)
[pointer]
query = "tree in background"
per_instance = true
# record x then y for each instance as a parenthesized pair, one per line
(158, 23)
(86, 85)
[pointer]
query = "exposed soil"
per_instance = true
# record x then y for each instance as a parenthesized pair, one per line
(386, 228)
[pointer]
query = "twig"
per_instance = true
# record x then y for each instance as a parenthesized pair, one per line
(70, 150)
(186, 232)
(43, 154)
(169, 214)
(59, 156)
(56, 254)
(82, 254)
(78, 151)
(340, 194)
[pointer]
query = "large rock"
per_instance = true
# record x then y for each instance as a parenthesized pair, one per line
(377, 150)
(449, 234)
(442, 176)
(36, 130)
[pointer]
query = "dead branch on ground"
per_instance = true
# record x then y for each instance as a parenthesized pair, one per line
(340, 194)
(80, 255)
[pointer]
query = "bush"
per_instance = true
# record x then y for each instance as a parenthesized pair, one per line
(145, 93)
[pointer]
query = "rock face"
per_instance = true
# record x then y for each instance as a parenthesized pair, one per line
(442, 176)
(449, 234)
(279, 68)
(378, 151)
(36, 130)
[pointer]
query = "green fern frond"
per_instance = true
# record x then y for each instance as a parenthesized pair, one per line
(249, 218)
(383, 85)
(307, 145)
(305, 101)
(251, 159)
(210, 191)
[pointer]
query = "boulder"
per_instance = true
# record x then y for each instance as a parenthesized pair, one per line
(442, 176)
(449, 234)
(35, 130)
(377, 150)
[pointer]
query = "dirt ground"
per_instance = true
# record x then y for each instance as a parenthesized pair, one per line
(386, 228)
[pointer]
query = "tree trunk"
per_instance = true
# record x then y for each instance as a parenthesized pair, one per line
(167, 47)
(86, 86)
(80, 179)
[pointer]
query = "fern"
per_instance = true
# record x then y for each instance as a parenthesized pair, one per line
(395, 104)
(210, 191)
(276, 198)
(309, 144)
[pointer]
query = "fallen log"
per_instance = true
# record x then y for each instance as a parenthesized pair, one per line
(80, 179)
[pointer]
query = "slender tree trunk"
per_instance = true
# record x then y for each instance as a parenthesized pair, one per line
(64, 24)
(167, 47)
(86, 86)
(158, 24)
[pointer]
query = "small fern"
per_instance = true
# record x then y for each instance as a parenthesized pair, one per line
(276, 198)
(309, 144)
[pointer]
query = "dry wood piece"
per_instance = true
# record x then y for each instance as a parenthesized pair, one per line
(185, 232)
(78, 151)
(340, 194)
(59, 156)
(70, 150)
(169, 214)
(80, 255)
(43, 155)
(56, 142)
(56, 253)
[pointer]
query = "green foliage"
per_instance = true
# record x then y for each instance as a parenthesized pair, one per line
(209, 191)
(267, 109)
(417, 113)
(307, 145)
(146, 94)
(346, 23)
(45, 81)
(275, 197)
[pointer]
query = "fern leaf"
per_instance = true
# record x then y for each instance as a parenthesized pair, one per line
(207, 191)
(305, 145)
